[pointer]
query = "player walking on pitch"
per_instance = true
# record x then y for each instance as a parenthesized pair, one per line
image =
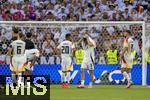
(88, 45)
(127, 58)
(67, 48)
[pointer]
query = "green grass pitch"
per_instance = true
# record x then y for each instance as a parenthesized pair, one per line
(100, 92)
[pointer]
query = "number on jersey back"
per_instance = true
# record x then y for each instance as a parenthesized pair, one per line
(18, 47)
(66, 48)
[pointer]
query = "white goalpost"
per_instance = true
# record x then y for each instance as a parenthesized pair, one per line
(144, 64)
(87, 24)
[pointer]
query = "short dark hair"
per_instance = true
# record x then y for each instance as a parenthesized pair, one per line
(15, 30)
(68, 35)
(20, 34)
(129, 32)
(28, 35)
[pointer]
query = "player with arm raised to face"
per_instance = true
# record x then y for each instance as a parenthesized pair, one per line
(127, 58)
(18, 59)
(66, 48)
(88, 45)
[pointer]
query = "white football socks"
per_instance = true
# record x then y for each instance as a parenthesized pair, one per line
(82, 82)
(127, 76)
(68, 77)
(63, 77)
(130, 77)
(91, 83)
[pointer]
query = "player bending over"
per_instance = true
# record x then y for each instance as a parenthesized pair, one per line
(127, 58)
(67, 48)
(18, 59)
(31, 53)
(88, 45)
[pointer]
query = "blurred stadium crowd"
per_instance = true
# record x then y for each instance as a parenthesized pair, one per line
(109, 41)
(75, 10)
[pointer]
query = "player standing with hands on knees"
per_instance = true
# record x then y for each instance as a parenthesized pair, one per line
(127, 57)
(66, 49)
(88, 45)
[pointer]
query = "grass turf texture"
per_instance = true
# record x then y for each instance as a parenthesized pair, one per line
(100, 92)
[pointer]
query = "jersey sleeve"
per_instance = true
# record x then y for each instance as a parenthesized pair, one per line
(130, 41)
(11, 45)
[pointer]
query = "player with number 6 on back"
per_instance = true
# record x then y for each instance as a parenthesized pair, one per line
(66, 48)
(18, 59)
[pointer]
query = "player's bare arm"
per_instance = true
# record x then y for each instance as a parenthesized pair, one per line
(57, 50)
(73, 49)
(90, 41)
(122, 54)
(9, 51)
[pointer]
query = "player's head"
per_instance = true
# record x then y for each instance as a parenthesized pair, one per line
(128, 33)
(85, 40)
(68, 37)
(85, 37)
(29, 35)
(15, 30)
(15, 33)
(20, 35)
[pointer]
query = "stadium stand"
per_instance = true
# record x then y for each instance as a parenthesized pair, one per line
(75, 10)
(72, 10)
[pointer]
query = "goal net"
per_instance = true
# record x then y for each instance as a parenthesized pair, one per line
(108, 36)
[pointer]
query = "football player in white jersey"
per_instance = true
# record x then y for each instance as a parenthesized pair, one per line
(88, 45)
(67, 48)
(18, 58)
(127, 57)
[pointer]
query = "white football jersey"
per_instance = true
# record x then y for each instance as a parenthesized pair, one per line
(128, 43)
(18, 47)
(66, 48)
(88, 52)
